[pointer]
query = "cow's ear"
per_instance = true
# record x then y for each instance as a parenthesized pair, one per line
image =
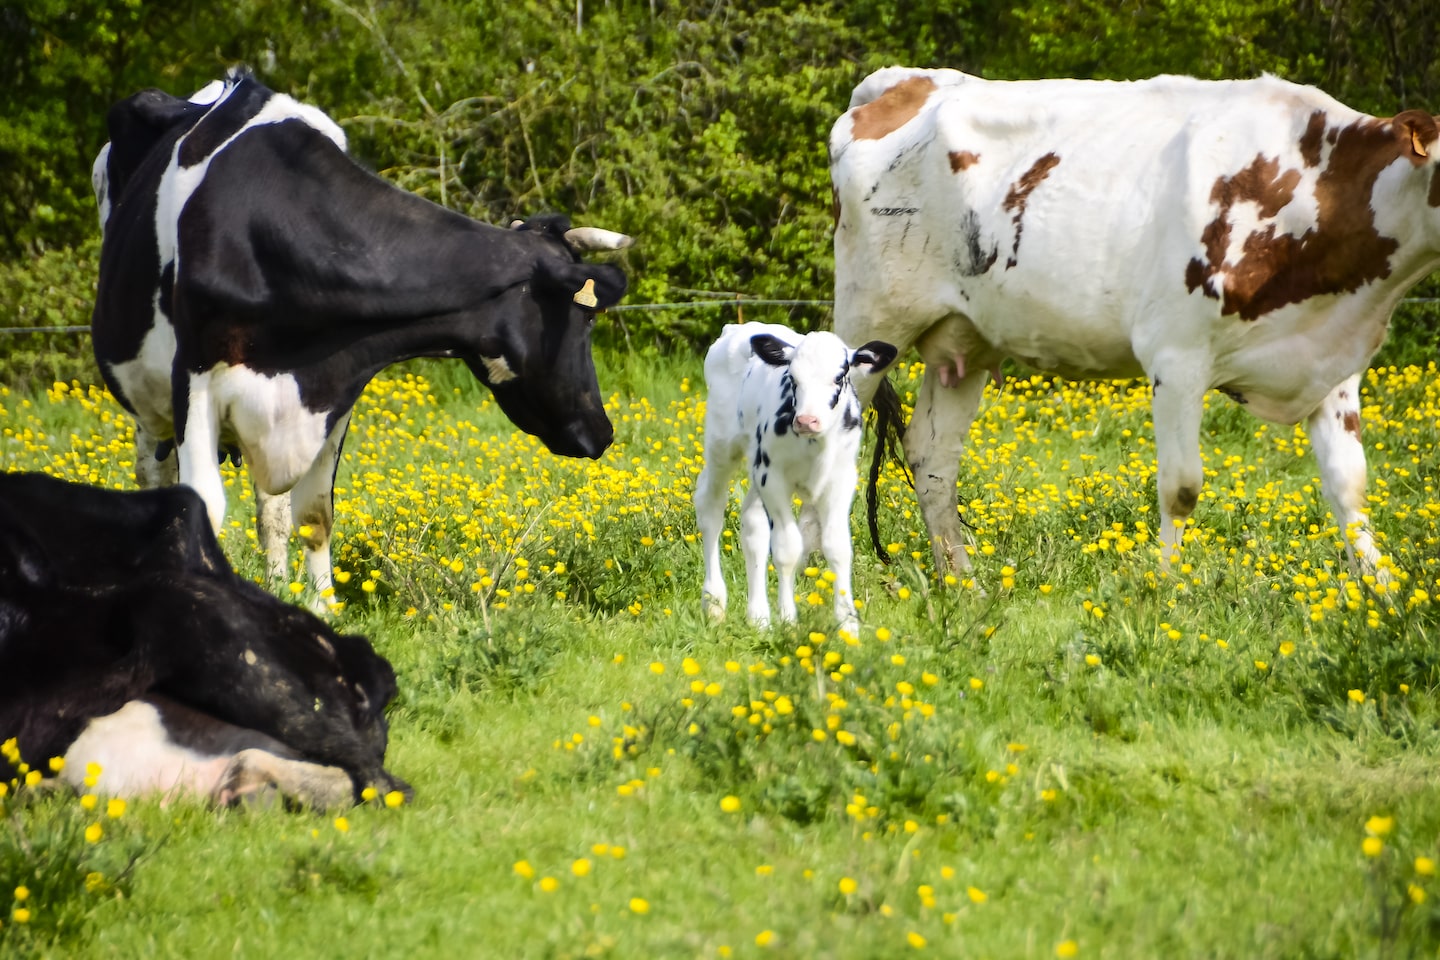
(605, 282)
(1417, 132)
(551, 224)
(875, 356)
(772, 350)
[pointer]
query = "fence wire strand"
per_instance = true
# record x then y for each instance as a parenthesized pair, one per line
(680, 305)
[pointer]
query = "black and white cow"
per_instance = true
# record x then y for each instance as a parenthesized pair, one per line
(786, 405)
(253, 279)
(127, 641)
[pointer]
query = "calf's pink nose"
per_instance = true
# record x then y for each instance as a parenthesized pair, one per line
(807, 423)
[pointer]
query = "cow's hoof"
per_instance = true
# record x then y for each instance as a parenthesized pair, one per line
(714, 607)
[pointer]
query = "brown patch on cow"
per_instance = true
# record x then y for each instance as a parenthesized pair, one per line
(834, 207)
(1019, 196)
(1351, 423)
(962, 160)
(1341, 253)
(1261, 183)
(891, 110)
(1184, 502)
(1311, 141)
(1434, 196)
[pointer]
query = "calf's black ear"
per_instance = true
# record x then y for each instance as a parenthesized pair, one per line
(772, 350)
(877, 355)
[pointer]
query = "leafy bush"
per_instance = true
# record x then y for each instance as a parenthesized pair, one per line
(56, 289)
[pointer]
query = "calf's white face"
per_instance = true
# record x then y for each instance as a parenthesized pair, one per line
(814, 390)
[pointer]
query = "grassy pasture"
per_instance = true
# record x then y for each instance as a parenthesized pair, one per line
(1072, 755)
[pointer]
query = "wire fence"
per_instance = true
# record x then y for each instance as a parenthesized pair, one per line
(738, 302)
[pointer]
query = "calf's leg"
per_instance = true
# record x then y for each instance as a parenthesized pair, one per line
(786, 543)
(712, 495)
(834, 516)
(755, 543)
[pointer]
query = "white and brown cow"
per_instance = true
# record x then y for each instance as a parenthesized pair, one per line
(1248, 236)
(785, 405)
(253, 279)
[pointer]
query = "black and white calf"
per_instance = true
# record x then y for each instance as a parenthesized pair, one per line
(786, 405)
(253, 279)
(127, 640)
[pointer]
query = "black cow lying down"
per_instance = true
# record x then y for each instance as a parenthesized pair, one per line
(126, 640)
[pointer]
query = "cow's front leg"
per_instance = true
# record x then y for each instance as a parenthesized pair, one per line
(1334, 430)
(197, 441)
(934, 442)
(256, 776)
(755, 544)
(312, 506)
(1177, 404)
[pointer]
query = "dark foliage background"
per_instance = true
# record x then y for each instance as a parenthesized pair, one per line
(698, 126)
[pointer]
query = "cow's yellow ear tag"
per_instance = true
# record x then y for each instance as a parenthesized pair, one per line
(585, 296)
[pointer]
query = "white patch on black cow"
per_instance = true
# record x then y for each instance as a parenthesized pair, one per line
(155, 747)
(785, 406)
(497, 369)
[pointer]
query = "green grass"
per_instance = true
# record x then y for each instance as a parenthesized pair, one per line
(1189, 772)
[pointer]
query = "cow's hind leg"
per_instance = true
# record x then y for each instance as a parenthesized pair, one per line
(198, 441)
(1177, 404)
(272, 524)
(712, 496)
(312, 508)
(933, 443)
(1334, 430)
(155, 462)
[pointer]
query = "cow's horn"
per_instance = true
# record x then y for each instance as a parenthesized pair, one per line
(585, 296)
(516, 224)
(1417, 144)
(593, 238)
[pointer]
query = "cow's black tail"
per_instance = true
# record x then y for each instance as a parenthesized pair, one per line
(889, 434)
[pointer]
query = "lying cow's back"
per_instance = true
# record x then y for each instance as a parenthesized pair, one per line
(58, 532)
